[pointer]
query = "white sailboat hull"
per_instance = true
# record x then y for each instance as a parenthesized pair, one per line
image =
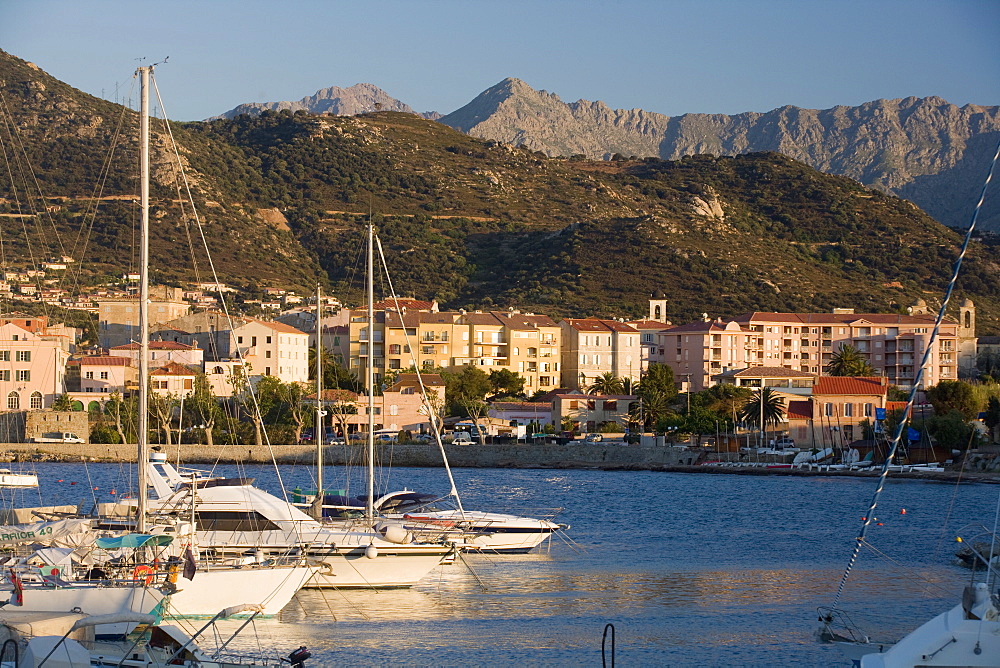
(18, 480)
(211, 590)
(947, 640)
(487, 532)
(91, 600)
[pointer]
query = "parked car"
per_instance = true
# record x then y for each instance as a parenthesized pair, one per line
(462, 437)
(593, 438)
(784, 443)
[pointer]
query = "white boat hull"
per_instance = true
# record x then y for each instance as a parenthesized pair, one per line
(947, 640)
(18, 480)
(487, 532)
(211, 590)
(389, 568)
(90, 600)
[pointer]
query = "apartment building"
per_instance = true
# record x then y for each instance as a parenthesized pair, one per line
(172, 379)
(893, 344)
(104, 374)
(592, 347)
(118, 318)
(32, 368)
(835, 414)
(525, 343)
(270, 349)
(161, 352)
(588, 413)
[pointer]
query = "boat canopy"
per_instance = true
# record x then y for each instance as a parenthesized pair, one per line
(133, 540)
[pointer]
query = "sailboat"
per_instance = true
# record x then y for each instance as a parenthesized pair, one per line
(219, 585)
(969, 633)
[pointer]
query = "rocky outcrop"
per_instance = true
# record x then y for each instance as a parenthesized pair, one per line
(924, 149)
(358, 99)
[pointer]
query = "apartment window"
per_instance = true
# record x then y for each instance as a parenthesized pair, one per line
(267, 371)
(828, 410)
(394, 349)
(22, 356)
(869, 409)
(268, 339)
(4, 374)
(104, 375)
(253, 340)
(36, 400)
(22, 375)
(189, 383)
(394, 364)
(848, 410)
(393, 409)
(13, 401)
(89, 375)
(4, 355)
(267, 354)
(239, 340)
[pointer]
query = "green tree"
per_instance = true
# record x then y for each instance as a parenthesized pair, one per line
(123, 415)
(607, 383)
(505, 383)
(659, 378)
(952, 430)
(293, 407)
(847, 361)
(203, 407)
(162, 406)
(335, 376)
(953, 395)
(993, 416)
(461, 388)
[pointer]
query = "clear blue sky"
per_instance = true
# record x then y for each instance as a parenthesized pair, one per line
(668, 56)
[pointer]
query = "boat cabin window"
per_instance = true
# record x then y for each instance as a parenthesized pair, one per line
(233, 521)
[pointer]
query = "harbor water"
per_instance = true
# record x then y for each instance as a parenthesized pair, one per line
(707, 570)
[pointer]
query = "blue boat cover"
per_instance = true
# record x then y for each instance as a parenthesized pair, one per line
(132, 540)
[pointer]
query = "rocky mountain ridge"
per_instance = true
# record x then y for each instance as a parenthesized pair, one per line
(357, 99)
(923, 149)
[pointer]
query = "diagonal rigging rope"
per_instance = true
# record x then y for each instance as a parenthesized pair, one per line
(870, 515)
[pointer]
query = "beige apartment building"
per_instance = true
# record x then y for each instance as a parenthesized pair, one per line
(118, 319)
(593, 347)
(893, 344)
(524, 343)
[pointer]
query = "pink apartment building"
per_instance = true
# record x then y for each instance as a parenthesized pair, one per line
(32, 368)
(893, 344)
(592, 347)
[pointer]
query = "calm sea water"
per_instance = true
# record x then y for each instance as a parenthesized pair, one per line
(692, 569)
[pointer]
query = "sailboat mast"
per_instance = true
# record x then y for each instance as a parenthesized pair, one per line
(318, 431)
(143, 436)
(370, 375)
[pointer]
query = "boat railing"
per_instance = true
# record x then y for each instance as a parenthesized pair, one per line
(837, 626)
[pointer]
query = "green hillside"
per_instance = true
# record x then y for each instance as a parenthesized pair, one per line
(480, 224)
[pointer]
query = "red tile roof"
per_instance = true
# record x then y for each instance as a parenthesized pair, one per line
(172, 369)
(101, 360)
(799, 410)
(407, 303)
(827, 385)
(769, 372)
(158, 345)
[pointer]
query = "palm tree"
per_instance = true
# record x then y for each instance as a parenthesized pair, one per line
(847, 361)
(773, 409)
(607, 383)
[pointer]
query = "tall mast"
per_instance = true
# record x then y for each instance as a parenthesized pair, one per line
(370, 375)
(318, 431)
(143, 439)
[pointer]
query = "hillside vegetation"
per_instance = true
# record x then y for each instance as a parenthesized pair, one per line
(476, 223)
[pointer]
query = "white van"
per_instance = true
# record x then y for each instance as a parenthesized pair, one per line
(462, 438)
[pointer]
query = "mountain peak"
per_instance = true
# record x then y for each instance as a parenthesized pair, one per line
(357, 99)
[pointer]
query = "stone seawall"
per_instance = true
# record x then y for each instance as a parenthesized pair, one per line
(591, 455)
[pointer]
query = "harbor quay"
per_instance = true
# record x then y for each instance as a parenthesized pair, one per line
(609, 455)
(575, 454)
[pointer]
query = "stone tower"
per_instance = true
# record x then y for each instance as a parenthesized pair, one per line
(658, 306)
(967, 340)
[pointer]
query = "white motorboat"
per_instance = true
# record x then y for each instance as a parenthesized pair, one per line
(235, 519)
(426, 513)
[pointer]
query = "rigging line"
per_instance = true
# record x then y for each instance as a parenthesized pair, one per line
(431, 415)
(34, 180)
(916, 383)
(225, 306)
(915, 574)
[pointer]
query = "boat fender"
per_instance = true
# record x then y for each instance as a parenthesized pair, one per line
(397, 534)
(371, 551)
